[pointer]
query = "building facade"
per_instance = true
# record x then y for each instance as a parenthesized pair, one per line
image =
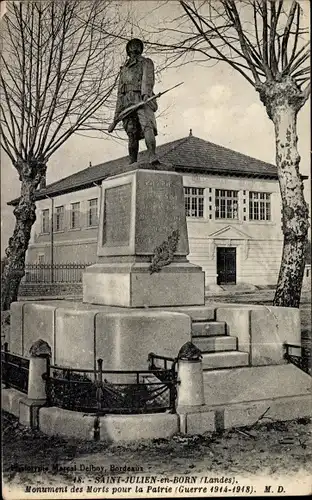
(232, 204)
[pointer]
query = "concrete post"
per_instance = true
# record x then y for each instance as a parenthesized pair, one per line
(39, 352)
(36, 384)
(191, 383)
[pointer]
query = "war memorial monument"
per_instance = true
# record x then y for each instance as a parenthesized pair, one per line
(143, 296)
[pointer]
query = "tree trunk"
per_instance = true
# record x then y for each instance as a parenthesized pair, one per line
(283, 101)
(25, 215)
(294, 209)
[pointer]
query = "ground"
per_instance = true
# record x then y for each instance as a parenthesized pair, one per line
(270, 448)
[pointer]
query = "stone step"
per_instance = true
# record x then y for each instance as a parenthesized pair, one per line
(252, 383)
(196, 313)
(216, 343)
(208, 328)
(230, 359)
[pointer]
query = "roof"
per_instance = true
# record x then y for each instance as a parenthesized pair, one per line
(189, 154)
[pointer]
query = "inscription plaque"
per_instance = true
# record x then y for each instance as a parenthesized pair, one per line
(117, 216)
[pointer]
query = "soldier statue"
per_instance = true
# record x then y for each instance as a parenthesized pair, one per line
(136, 83)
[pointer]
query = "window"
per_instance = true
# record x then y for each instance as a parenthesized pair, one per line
(226, 204)
(75, 215)
(93, 212)
(45, 221)
(194, 201)
(259, 206)
(59, 218)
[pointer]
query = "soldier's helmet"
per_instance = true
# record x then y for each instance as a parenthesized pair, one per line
(133, 42)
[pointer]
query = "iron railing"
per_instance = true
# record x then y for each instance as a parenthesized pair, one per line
(165, 361)
(57, 273)
(103, 391)
(299, 356)
(14, 369)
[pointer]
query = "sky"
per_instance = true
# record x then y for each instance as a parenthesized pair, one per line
(217, 103)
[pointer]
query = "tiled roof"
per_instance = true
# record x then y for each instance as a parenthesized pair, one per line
(187, 154)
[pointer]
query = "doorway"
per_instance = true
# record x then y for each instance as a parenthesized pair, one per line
(226, 265)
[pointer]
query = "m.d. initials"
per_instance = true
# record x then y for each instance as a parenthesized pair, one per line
(267, 489)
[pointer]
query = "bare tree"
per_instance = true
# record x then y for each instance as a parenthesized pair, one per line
(264, 41)
(58, 63)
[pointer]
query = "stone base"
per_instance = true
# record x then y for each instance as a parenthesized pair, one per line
(234, 398)
(79, 334)
(132, 285)
(239, 397)
(29, 412)
(262, 330)
(204, 419)
(113, 428)
(159, 165)
(10, 401)
(255, 383)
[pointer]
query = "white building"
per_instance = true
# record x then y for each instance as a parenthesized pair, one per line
(232, 202)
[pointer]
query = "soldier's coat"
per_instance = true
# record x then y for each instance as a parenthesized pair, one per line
(136, 80)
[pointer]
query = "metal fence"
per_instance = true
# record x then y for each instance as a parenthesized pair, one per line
(14, 370)
(98, 391)
(57, 273)
(164, 360)
(91, 391)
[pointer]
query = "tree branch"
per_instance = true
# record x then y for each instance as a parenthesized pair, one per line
(286, 34)
(275, 14)
(265, 34)
(222, 57)
(233, 13)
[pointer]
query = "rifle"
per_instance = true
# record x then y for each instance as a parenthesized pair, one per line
(131, 109)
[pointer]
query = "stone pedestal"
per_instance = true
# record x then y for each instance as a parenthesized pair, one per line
(143, 244)
(132, 285)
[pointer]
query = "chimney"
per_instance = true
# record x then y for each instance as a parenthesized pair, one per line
(191, 133)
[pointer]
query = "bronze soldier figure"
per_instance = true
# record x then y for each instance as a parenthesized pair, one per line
(136, 83)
